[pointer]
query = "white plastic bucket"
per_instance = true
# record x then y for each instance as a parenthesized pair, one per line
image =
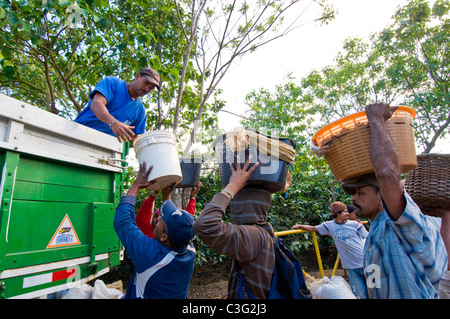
(159, 148)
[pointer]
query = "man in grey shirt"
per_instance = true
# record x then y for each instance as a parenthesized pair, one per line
(349, 237)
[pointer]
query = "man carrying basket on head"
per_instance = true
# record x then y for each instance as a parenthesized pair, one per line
(404, 255)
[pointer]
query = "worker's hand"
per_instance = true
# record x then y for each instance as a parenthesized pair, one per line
(133, 138)
(379, 111)
(240, 176)
(141, 180)
(123, 132)
(195, 189)
(297, 226)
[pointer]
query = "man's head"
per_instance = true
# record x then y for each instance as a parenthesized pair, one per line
(250, 207)
(351, 212)
(366, 196)
(144, 82)
(339, 212)
(173, 225)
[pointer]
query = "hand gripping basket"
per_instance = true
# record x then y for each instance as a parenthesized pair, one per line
(429, 184)
(349, 141)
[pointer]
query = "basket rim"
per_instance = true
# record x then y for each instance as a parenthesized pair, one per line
(355, 117)
(220, 138)
(424, 155)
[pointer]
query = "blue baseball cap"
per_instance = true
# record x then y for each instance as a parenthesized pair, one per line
(179, 224)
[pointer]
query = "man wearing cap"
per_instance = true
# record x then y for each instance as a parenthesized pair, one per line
(349, 237)
(115, 107)
(146, 218)
(163, 265)
(404, 255)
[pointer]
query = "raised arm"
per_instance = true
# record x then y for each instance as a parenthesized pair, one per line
(226, 238)
(122, 131)
(308, 228)
(385, 160)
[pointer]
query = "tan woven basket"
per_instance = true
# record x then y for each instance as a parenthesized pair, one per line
(429, 184)
(349, 141)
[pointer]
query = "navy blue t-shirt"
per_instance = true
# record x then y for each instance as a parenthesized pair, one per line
(120, 105)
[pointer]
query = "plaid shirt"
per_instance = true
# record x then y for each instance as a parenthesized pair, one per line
(404, 259)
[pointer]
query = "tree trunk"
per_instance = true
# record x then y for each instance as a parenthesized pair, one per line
(180, 197)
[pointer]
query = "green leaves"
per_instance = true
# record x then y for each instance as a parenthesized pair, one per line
(71, 46)
(417, 48)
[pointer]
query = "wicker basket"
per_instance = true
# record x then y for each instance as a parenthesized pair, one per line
(349, 141)
(429, 184)
(271, 174)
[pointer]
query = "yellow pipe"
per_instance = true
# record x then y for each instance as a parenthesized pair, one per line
(289, 232)
(316, 245)
(316, 248)
(319, 260)
(336, 265)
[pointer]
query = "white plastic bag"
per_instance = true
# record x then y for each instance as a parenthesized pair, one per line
(82, 292)
(335, 288)
(313, 284)
(103, 292)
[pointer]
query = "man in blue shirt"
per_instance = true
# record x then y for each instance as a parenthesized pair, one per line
(163, 265)
(404, 255)
(115, 107)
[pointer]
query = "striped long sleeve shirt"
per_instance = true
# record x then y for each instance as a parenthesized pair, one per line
(250, 245)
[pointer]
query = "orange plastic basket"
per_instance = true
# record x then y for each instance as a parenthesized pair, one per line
(349, 141)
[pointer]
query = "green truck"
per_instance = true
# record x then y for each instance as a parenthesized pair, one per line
(60, 185)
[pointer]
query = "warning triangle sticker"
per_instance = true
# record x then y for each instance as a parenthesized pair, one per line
(65, 235)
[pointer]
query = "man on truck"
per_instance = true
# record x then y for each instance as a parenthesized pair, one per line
(115, 107)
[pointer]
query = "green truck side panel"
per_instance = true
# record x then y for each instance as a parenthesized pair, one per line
(104, 237)
(60, 185)
(37, 195)
(14, 286)
(9, 162)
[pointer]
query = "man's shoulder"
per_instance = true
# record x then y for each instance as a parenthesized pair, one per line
(109, 82)
(108, 87)
(112, 78)
(353, 223)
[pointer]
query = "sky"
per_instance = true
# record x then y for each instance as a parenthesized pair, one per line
(307, 48)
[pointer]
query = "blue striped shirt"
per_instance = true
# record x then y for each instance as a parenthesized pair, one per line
(404, 259)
